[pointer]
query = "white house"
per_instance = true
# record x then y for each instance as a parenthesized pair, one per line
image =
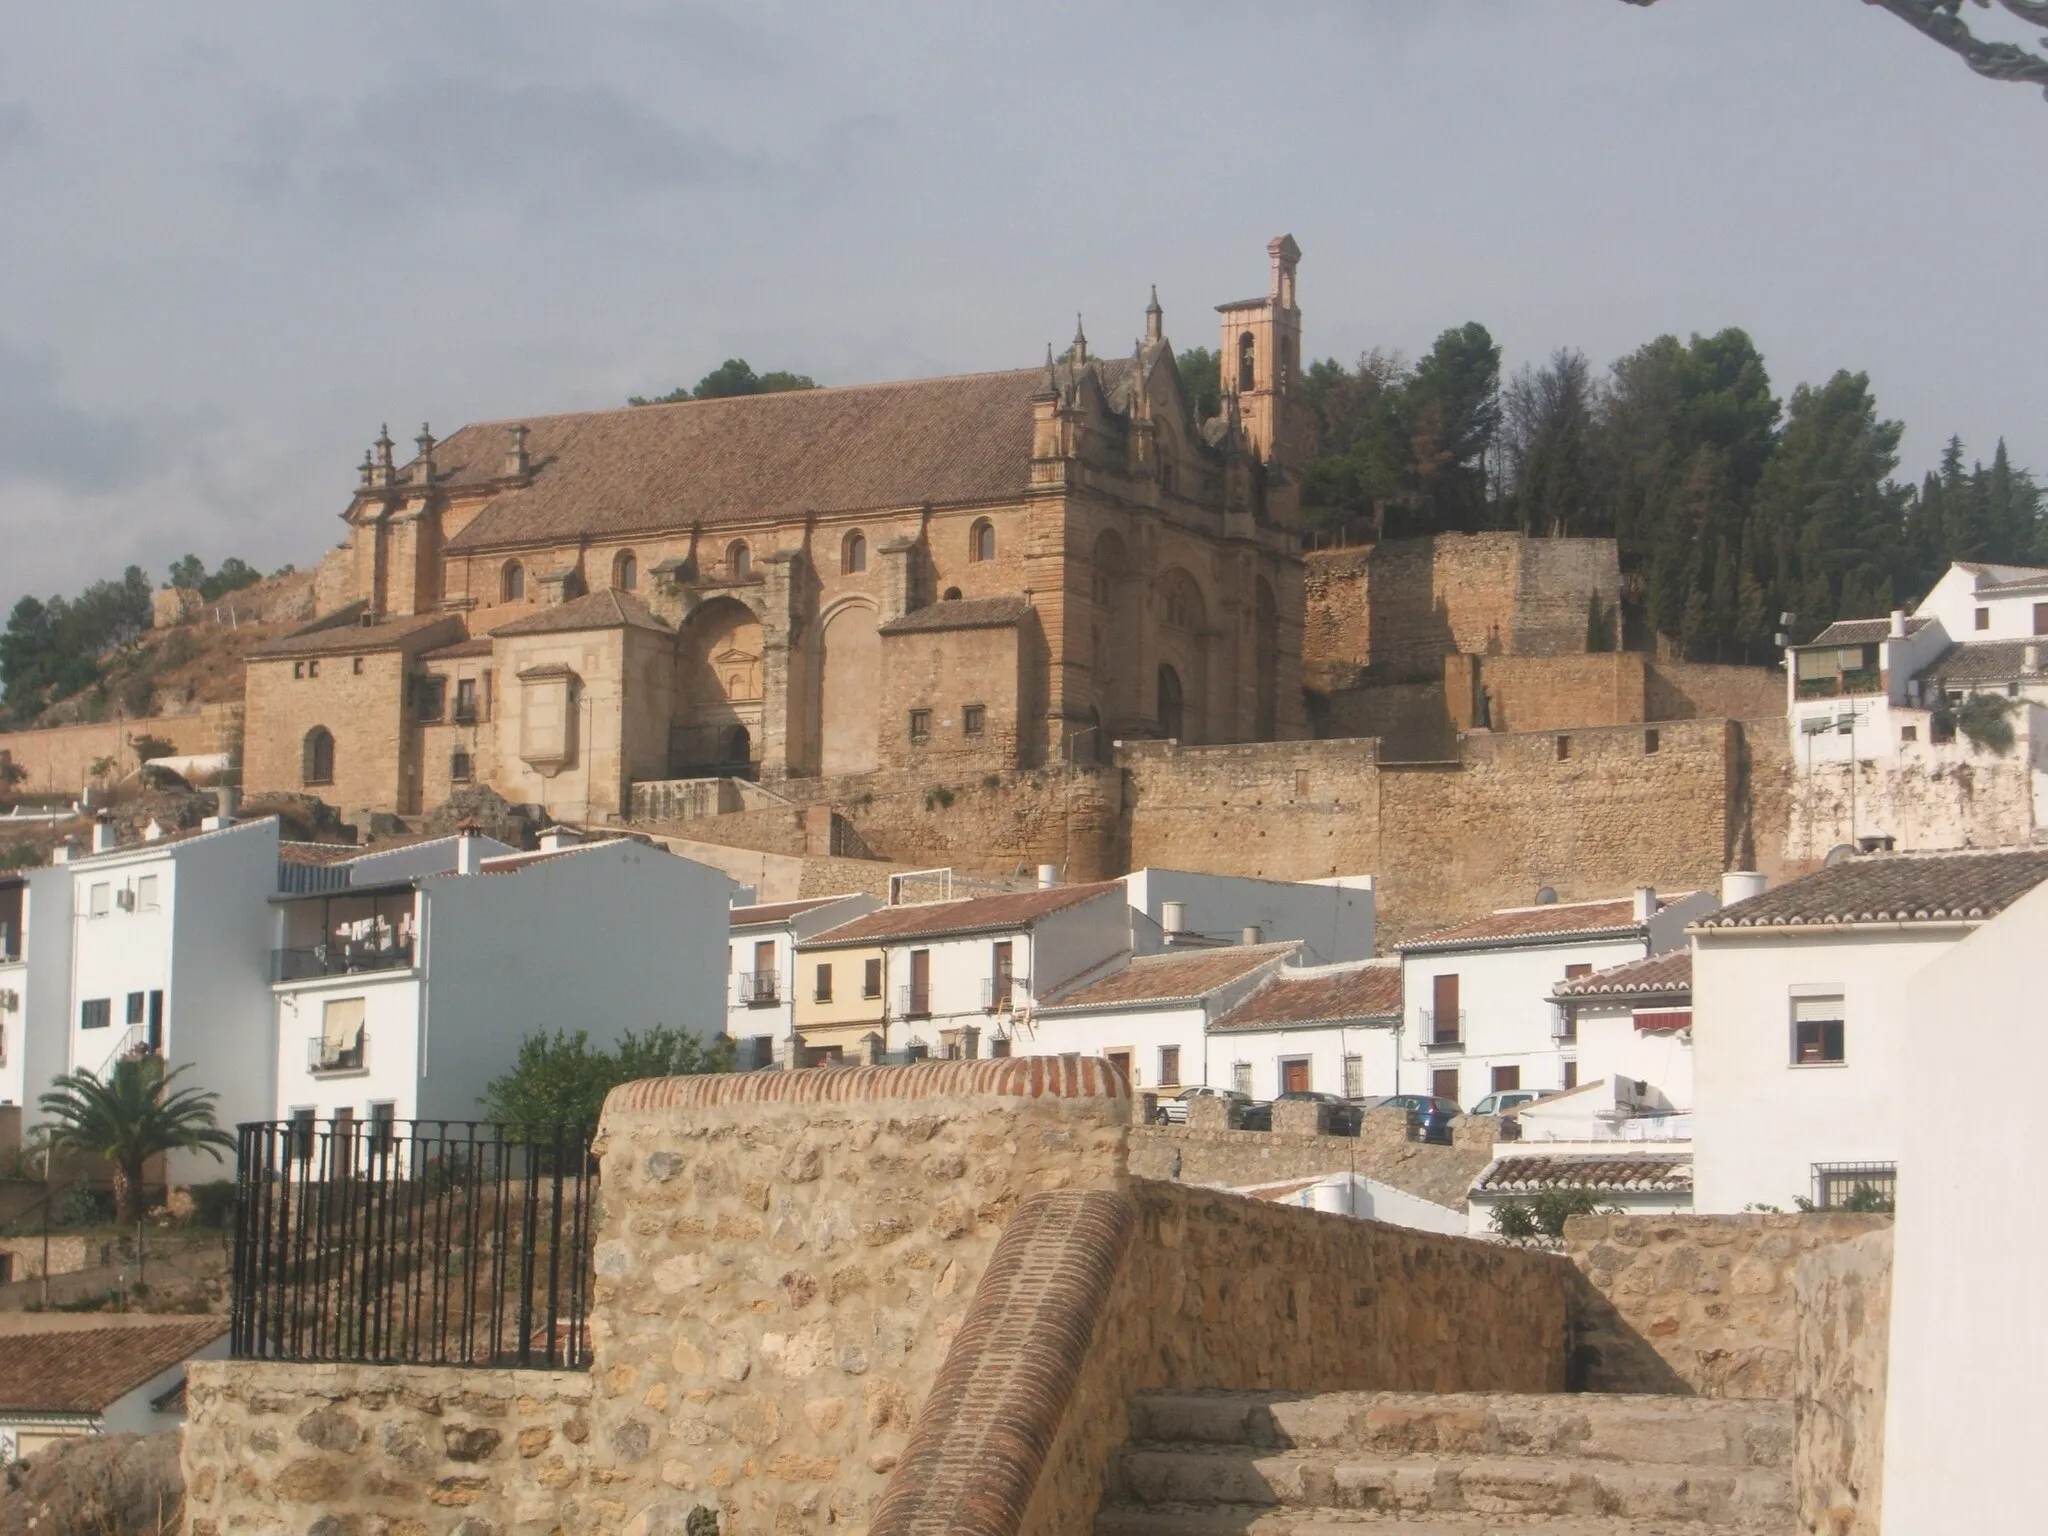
(170, 950)
(1153, 1017)
(63, 1377)
(13, 1005)
(957, 977)
(1633, 1021)
(1968, 1333)
(762, 981)
(1811, 1049)
(400, 993)
(1335, 919)
(1477, 997)
(1353, 1194)
(1326, 1028)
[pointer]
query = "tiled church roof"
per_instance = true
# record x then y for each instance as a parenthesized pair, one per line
(643, 468)
(608, 609)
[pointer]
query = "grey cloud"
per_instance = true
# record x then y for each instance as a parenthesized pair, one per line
(461, 142)
(19, 128)
(43, 439)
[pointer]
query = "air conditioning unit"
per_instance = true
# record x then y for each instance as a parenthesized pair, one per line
(125, 898)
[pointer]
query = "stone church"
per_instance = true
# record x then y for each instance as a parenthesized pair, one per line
(946, 576)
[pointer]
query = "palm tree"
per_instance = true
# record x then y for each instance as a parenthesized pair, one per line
(130, 1116)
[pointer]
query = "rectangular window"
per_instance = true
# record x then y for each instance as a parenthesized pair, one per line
(2041, 618)
(1567, 1022)
(1241, 1078)
(1983, 618)
(341, 1035)
(1443, 1082)
(156, 1021)
(298, 669)
(1855, 1186)
(1571, 1074)
(1564, 748)
(432, 696)
(145, 893)
(871, 979)
(920, 725)
(357, 666)
(1002, 975)
(823, 991)
(1354, 1077)
(99, 899)
(312, 669)
(1574, 972)
(918, 995)
(1445, 1022)
(1506, 1079)
(96, 1013)
(1169, 1066)
(1909, 733)
(1817, 1032)
(134, 1008)
(465, 701)
(383, 1126)
(1651, 742)
(973, 719)
(302, 1135)
(461, 767)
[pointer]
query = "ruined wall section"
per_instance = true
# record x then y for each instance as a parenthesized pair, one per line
(1557, 580)
(59, 760)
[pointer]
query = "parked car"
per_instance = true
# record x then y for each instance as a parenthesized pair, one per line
(1429, 1117)
(1343, 1117)
(1250, 1114)
(1507, 1102)
(1174, 1111)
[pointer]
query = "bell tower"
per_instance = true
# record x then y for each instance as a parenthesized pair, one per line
(1261, 352)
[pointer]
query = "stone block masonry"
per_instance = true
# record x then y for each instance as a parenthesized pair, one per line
(1843, 1353)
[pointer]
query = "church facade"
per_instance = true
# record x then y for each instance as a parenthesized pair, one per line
(972, 574)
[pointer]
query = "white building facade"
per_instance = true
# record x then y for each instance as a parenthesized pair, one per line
(762, 974)
(1313, 1029)
(1334, 919)
(1476, 999)
(1809, 1051)
(1633, 1022)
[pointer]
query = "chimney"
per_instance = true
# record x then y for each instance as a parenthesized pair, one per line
(2031, 659)
(1048, 876)
(469, 857)
(1898, 623)
(65, 851)
(1645, 903)
(104, 837)
(558, 838)
(516, 466)
(154, 832)
(1740, 885)
(227, 800)
(223, 815)
(1173, 918)
(1249, 934)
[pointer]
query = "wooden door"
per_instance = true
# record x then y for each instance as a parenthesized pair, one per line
(1121, 1060)
(920, 981)
(1294, 1076)
(1443, 1001)
(1506, 1079)
(1443, 1082)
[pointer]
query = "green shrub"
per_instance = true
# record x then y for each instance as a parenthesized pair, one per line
(938, 797)
(1983, 718)
(213, 1203)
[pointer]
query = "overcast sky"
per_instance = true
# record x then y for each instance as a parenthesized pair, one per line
(236, 237)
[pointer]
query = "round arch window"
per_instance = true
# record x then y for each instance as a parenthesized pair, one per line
(626, 571)
(512, 583)
(853, 554)
(981, 540)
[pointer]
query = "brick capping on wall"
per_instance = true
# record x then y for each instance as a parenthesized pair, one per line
(982, 1437)
(1016, 1077)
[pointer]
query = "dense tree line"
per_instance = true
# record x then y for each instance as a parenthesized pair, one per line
(53, 648)
(729, 378)
(1730, 505)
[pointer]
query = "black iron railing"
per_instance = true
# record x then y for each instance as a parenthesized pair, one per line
(427, 1242)
(338, 960)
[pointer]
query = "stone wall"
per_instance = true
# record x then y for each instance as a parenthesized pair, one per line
(1842, 1352)
(341, 1450)
(1381, 1150)
(1410, 720)
(59, 760)
(1953, 797)
(1703, 1304)
(1692, 690)
(68, 1254)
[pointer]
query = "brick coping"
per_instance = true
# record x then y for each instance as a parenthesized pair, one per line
(1010, 1077)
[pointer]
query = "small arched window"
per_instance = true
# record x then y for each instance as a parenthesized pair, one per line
(739, 560)
(512, 583)
(853, 554)
(952, 595)
(316, 761)
(625, 571)
(1172, 708)
(1247, 362)
(981, 540)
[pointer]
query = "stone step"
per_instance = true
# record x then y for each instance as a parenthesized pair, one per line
(1505, 1485)
(1250, 1520)
(1695, 1431)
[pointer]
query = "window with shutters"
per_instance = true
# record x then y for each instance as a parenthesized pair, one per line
(1354, 1077)
(1169, 1066)
(1241, 1077)
(823, 991)
(96, 1013)
(871, 979)
(1446, 1019)
(1819, 1035)
(1443, 1082)
(1506, 1079)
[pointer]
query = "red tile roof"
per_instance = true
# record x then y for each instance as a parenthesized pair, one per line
(769, 913)
(343, 632)
(1327, 996)
(1178, 977)
(962, 613)
(479, 645)
(1665, 975)
(1864, 631)
(608, 609)
(1894, 888)
(1556, 920)
(978, 914)
(1621, 1172)
(87, 1371)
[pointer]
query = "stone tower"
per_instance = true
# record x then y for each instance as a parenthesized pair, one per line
(1261, 352)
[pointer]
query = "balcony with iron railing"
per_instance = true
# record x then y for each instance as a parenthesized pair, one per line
(340, 959)
(1443, 1029)
(340, 1055)
(913, 1001)
(1003, 993)
(757, 989)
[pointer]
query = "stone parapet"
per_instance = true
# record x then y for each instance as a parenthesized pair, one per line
(1204, 1152)
(1842, 1354)
(1695, 1304)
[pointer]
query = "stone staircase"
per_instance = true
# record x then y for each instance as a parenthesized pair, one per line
(1279, 1464)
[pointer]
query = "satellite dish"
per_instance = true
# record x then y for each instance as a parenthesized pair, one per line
(1547, 897)
(1841, 853)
